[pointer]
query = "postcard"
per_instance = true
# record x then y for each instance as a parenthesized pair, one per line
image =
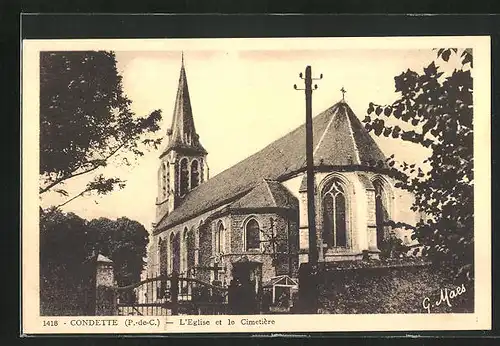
(256, 185)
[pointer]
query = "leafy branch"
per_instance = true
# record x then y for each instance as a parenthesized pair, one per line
(435, 111)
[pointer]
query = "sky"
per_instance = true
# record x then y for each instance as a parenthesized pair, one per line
(242, 100)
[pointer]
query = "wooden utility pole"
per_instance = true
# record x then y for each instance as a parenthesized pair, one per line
(311, 210)
(308, 288)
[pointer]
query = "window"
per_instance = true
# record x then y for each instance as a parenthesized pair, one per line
(176, 253)
(195, 174)
(163, 181)
(165, 178)
(381, 214)
(190, 248)
(219, 237)
(334, 215)
(184, 177)
(252, 235)
(170, 264)
(162, 256)
(185, 249)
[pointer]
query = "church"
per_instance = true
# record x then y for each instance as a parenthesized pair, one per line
(250, 222)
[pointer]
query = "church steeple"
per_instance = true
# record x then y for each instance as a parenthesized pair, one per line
(182, 134)
(183, 163)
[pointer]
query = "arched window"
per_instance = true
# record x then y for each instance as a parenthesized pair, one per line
(190, 248)
(206, 242)
(166, 179)
(185, 249)
(170, 259)
(162, 256)
(219, 238)
(163, 180)
(195, 174)
(252, 235)
(381, 210)
(334, 215)
(176, 253)
(184, 177)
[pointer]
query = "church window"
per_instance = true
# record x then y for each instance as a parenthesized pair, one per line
(381, 211)
(165, 178)
(219, 237)
(185, 249)
(184, 177)
(334, 215)
(162, 256)
(176, 252)
(170, 265)
(252, 235)
(190, 248)
(195, 174)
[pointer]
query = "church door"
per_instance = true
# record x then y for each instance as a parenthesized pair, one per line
(249, 275)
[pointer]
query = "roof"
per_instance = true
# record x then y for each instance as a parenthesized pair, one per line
(182, 134)
(267, 194)
(339, 139)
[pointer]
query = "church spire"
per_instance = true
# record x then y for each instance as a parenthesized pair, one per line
(182, 134)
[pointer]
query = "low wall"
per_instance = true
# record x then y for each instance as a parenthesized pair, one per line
(392, 288)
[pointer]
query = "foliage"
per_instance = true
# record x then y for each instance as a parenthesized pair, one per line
(68, 242)
(437, 110)
(392, 247)
(64, 242)
(125, 242)
(86, 121)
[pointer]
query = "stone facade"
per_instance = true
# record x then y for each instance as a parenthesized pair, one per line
(278, 260)
(361, 213)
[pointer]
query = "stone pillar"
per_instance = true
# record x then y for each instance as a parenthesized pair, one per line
(373, 251)
(105, 282)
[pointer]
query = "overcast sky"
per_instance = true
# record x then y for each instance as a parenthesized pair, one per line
(242, 101)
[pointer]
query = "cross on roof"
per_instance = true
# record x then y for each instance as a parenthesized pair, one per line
(343, 92)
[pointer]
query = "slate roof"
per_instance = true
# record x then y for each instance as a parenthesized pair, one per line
(182, 121)
(267, 194)
(339, 139)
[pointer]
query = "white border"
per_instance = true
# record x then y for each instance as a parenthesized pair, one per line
(479, 320)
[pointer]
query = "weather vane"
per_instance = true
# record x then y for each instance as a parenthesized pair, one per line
(343, 92)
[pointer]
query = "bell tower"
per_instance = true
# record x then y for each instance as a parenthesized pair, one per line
(183, 164)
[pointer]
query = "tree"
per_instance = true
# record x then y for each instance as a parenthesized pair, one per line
(435, 111)
(86, 121)
(68, 242)
(125, 242)
(64, 248)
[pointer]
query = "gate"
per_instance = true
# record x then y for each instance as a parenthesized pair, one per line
(171, 295)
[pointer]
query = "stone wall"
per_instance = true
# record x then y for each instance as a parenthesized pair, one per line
(390, 289)
(285, 226)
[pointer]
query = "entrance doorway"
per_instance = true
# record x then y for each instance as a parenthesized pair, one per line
(248, 275)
